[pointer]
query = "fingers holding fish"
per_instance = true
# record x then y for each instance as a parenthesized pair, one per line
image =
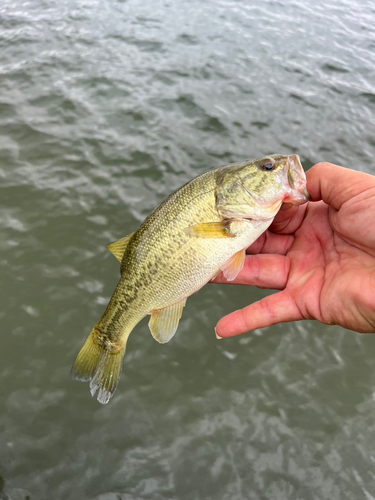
(288, 219)
(262, 271)
(277, 308)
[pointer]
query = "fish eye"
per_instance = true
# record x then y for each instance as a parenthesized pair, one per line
(267, 165)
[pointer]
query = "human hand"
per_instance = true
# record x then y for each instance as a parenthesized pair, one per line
(320, 255)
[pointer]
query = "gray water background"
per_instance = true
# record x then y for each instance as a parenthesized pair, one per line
(107, 106)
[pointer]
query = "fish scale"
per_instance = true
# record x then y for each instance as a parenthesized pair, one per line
(199, 230)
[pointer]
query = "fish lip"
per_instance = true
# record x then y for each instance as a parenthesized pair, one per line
(295, 182)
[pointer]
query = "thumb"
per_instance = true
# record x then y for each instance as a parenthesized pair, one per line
(335, 185)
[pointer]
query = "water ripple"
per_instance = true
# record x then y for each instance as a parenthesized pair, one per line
(105, 109)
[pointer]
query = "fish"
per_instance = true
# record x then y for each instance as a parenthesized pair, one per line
(200, 230)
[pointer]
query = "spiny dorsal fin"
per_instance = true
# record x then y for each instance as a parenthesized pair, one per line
(117, 248)
(234, 265)
(164, 322)
(211, 230)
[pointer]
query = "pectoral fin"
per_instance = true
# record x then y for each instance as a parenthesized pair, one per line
(164, 322)
(234, 265)
(117, 248)
(211, 230)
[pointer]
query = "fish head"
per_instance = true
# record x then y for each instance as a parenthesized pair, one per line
(256, 189)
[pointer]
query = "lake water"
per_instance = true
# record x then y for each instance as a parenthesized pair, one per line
(106, 107)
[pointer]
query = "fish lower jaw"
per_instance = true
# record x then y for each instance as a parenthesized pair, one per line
(297, 197)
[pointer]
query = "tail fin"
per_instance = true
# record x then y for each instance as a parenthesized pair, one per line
(99, 366)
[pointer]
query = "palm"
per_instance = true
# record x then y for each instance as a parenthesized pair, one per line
(322, 257)
(330, 276)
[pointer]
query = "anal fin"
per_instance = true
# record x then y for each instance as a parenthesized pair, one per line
(234, 265)
(163, 323)
(117, 248)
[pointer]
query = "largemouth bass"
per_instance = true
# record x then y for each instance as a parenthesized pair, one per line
(201, 229)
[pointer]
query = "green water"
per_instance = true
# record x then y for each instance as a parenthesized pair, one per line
(106, 107)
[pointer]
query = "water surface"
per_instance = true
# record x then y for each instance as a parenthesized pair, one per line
(105, 109)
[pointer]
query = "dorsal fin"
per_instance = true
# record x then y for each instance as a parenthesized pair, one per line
(117, 248)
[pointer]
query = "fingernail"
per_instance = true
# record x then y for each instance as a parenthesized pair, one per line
(218, 336)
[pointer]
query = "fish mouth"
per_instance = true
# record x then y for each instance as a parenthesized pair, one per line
(295, 181)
